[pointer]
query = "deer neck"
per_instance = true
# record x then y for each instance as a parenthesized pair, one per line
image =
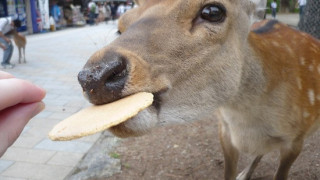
(253, 82)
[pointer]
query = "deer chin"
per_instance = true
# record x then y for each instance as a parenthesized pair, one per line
(139, 125)
(143, 122)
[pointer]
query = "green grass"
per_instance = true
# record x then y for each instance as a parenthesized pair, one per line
(114, 155)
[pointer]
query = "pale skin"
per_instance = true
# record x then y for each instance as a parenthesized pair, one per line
(20, 101)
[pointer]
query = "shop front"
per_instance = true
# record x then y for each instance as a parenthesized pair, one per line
(31, 13)
(38, 16)
(66, 13)
(15, 8)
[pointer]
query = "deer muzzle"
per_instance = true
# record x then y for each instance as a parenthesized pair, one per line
(103, 81)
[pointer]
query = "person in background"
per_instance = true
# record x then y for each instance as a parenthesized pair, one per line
(55, 13)
(102, 14)
(7, 25)
(121, 9)
(108, 12)
(128, 7)
(113, 9)
(302, 4)
(92, 10)
(274, 9)
(20, 101)
(96, 13)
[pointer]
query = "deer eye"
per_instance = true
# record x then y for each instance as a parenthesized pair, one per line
(213, 13)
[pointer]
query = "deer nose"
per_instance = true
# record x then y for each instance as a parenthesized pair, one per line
(102, 83)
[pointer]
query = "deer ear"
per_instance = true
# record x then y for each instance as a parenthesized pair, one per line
(140, 2)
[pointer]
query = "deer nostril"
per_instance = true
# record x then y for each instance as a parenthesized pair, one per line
(117, 75)
(103, 83)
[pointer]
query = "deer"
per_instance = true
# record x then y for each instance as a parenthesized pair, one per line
(20, 41)
(206, 58)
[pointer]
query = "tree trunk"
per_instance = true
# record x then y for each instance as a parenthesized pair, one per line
(293, 5)
(310, 21)
(284, 6)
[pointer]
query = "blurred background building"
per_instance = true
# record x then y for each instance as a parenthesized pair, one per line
(39, 15)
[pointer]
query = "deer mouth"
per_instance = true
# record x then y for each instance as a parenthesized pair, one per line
(143, 122)
(157, 99)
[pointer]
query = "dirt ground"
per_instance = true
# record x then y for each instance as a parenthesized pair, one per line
(192, 152)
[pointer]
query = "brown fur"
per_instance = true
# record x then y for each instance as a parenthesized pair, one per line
(263, 83)
(20, 41)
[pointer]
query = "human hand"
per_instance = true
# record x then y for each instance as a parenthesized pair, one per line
(3, 47)
(8, 40)
(20, 101)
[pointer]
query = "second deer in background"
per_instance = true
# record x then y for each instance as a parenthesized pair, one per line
(20, 41)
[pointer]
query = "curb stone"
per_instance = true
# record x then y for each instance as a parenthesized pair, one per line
(97, 163)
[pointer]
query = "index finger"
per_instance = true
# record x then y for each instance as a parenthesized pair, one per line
(5, 75)
(15, 91)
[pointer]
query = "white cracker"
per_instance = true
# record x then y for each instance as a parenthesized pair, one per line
(99, 118)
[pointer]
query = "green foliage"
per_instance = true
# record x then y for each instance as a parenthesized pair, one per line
(292, 6)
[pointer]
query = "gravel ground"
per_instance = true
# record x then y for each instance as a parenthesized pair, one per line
(189, 152)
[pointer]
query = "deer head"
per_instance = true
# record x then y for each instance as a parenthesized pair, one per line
(189, 53)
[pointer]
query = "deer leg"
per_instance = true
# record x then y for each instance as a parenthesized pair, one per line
(248, 171)
(19, 55)
(287, 156)
(24, 55)
(231, 154)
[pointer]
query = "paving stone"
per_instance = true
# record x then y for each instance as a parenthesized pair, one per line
(91, 139)
(33, 171)
(25, 129)
(45, 122)
(27, 155)
(27, 141)
(44, 114)
(64, 146)
(65, 159)
(56, 85)
(51, 95)
(11, 178)
(72, 109)
(38, 132)
(54, 109)
(77, 103)
(4, 164)
(60, 115)
(54, 102)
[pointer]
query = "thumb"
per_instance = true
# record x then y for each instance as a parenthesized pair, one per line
(13, 120)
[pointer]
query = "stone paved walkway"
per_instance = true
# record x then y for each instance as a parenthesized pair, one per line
(53, 61)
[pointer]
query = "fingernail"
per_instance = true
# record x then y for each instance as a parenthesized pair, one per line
(42, 89)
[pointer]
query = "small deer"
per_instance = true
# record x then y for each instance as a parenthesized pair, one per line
(203, 56)
(20, 41)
